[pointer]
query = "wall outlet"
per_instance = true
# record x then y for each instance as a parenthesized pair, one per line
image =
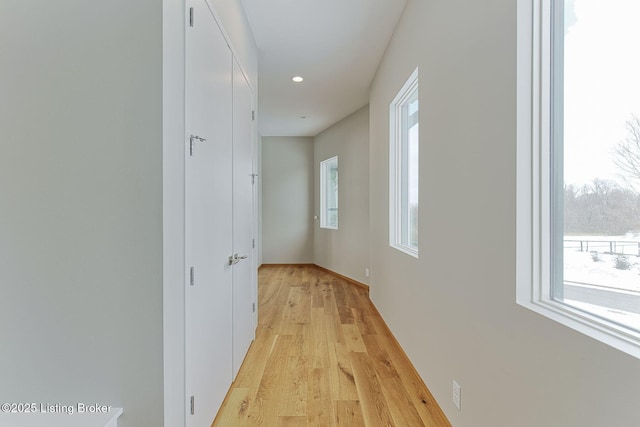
(456, 394)
(366, 272)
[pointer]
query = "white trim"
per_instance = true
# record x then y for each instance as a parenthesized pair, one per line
(395, 167)
(533, 184)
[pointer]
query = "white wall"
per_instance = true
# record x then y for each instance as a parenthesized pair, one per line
(287, 206)
(91, 178)
(81, 205)
(454, 310)
(173, 212)
(345, 250)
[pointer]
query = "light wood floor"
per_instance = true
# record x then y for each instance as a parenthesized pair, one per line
(323, 356)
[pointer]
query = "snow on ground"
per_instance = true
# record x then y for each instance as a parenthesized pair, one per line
(598, 268)
(587, 265)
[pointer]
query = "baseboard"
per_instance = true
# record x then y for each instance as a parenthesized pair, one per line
(286, 265)
(348, 279)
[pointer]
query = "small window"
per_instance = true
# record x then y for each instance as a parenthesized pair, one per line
(329, 193)
(404, 145)
(578, 192)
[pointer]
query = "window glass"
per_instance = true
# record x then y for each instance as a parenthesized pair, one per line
(596, 119)
(404, 168)
(329, 193)
(410, 147)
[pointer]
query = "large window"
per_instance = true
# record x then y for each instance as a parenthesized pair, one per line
(403, 168)
(329, 193)
(579, 166)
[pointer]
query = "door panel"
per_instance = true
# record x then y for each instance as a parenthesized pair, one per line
(208, 217)
(243, 318)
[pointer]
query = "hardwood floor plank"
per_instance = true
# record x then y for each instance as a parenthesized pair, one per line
(323, 356)
(288, 421)
(319, 346)
(320, 408)
(276, 321)
(401, 408)
(349, 413)
(344, 310)
(237, 406)
(317, 298)
(270, 297)
(353, 338)
(329, 298)
(379, 357)
(301, 309)
(272, 386)
(364, 321)
(293, 402)
(375, 409)
(252, 369)
(301, 342)
(287, 321)
(340, 371)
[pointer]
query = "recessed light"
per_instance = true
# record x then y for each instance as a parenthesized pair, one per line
(297, 79)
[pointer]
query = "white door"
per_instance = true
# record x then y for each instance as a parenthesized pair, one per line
(208, 298)
(243, 246)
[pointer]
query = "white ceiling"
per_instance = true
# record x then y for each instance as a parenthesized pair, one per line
(336, 45)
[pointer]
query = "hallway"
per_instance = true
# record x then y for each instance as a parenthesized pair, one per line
(323, 356)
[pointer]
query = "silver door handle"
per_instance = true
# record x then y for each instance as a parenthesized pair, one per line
(194, 138)
(233, 260)
(197, 138)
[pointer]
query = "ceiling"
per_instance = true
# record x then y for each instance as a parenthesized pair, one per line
(336, 45)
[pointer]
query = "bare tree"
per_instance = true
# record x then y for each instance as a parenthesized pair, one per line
(627, 153)
(602, 207)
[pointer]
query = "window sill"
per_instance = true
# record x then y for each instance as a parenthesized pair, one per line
(407, 250)
(595, 327)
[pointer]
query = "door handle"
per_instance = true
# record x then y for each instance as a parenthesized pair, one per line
(197, 138)
(234, 259)
(194, 138)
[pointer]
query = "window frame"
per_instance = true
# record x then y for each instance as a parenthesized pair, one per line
(398, 165)
(324, 220)
(537, 165)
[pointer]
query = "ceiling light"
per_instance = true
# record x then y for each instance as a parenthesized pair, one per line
(297, 79)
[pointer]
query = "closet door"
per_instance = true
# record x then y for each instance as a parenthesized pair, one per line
(243, 181)
(208, 293)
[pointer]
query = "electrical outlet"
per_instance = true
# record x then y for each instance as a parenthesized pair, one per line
(456, 394)
(366, 272)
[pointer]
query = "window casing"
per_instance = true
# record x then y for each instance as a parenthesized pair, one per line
(404, 168)
(540, 196)
(329, 193)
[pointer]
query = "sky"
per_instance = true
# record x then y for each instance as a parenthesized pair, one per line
(602, 84)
